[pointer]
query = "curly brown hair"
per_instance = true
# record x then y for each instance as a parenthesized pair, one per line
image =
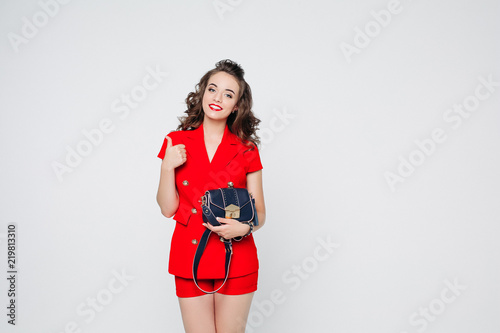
(242, 122)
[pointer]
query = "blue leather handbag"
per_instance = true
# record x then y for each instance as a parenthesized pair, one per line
(230, 203)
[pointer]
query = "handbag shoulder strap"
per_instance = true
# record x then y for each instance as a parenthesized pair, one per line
(199, 252)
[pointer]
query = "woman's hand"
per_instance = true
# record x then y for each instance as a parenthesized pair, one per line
(174, 155)
(229, 228)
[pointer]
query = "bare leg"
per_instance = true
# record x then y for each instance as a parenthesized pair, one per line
(231, 312)
(198, 314)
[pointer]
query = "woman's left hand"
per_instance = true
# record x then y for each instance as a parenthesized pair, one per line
(229, 228)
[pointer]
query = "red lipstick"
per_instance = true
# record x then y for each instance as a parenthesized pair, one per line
(215, 107)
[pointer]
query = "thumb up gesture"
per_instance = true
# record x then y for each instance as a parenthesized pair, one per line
(174, 155)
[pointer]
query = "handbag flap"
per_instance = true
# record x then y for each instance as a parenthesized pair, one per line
(234, 203)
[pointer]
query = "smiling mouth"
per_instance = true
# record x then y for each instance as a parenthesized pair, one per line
(214, 107)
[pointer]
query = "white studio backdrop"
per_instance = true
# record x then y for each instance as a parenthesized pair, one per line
(380, 145)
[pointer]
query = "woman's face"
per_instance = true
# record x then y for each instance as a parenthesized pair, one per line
(220, 96)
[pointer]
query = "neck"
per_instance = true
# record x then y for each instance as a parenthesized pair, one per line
(213, 127)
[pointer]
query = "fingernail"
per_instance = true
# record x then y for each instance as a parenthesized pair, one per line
(217, 218)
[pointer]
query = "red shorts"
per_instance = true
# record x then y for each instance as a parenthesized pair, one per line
(234, 286)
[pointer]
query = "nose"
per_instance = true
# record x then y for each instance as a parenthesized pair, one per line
(218, 97)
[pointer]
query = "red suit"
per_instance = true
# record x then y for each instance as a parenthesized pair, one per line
(231, 163)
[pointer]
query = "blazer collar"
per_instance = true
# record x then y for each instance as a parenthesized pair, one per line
(228, 148)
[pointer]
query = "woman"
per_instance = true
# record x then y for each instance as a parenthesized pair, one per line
(215, 144)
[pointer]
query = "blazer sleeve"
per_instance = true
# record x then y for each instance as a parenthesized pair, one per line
(252, 157)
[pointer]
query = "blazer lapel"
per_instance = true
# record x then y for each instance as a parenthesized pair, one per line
(228, 148)
(195, 146)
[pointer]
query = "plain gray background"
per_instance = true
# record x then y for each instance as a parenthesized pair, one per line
(349, 94)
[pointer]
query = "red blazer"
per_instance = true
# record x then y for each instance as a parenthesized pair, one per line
(231, 162)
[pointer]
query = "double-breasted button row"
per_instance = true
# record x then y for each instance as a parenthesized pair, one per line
(193, 210)
(186, 183)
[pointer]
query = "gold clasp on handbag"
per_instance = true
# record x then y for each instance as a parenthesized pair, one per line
(232, 212)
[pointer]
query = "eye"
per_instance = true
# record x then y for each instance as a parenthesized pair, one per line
(229, 96)
(211, 89)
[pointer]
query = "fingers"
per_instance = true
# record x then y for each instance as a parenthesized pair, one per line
(182, 152)
(179, 150)
(228, 229)
(169, 141)
(213, 228)
(220, 228)
(226, 221)
(179, 147)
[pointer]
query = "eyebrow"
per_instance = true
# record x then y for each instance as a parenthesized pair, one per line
(213, 84)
